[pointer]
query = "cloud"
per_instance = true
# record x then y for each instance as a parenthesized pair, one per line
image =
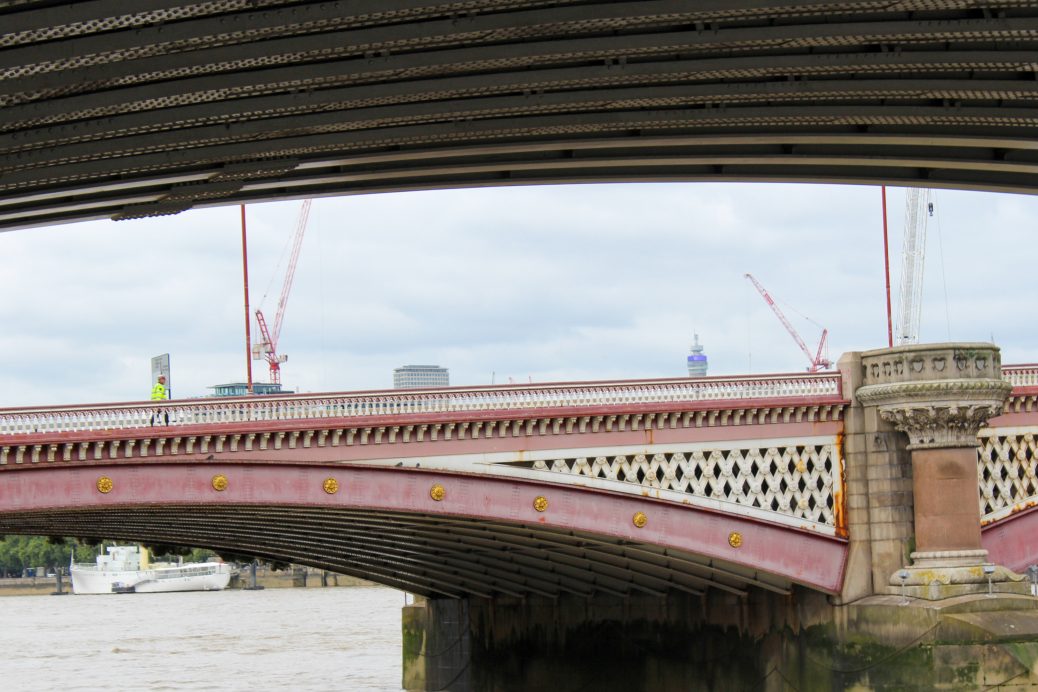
(542, 283)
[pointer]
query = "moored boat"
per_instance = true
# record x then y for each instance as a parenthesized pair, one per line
(127, 569)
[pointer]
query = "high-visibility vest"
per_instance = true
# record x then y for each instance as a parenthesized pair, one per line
(158, 391)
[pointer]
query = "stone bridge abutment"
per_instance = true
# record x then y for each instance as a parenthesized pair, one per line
(921, 605)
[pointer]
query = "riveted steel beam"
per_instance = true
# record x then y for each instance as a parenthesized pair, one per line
(124, 112)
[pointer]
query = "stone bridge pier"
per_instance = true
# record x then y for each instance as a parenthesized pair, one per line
(937, 397)
(914, 611)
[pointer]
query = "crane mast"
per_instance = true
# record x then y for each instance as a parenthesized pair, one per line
(918, 208)
(268, 348)
(818, 361)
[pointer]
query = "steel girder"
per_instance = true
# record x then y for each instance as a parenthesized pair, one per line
(427, 555)
(117, 111)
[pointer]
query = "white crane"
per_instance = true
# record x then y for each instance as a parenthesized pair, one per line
(918, 208)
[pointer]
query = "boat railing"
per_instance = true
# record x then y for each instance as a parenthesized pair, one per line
(192, 571)
(84, 565)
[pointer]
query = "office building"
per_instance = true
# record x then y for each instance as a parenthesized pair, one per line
(413, 376)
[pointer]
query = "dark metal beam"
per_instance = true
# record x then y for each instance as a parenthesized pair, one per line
(111, 112)
(434, 556)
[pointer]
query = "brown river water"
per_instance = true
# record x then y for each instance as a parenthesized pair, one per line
(345, 638)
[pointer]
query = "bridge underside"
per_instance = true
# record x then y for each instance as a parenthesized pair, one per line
(434, 534)
(428, 555)
(113, 112)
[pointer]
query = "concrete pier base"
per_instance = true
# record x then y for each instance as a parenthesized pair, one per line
(936, 583)
(720, 642)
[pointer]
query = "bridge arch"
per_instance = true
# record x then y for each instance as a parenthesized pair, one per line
(426, 532)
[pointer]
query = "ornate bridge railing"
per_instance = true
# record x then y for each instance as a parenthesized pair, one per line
(777, 460)
(1007, 453)
(797, 482)
(397, 402)
(1021, 375)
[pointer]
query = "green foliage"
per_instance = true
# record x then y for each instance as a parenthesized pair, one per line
(50, 552)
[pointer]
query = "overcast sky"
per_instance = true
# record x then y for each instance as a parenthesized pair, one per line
(528, 283)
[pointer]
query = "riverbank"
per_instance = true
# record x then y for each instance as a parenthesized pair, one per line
(297, 577)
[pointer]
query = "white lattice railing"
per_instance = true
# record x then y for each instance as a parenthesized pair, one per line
(799, 480)
(398, 402)
(1007, 473)
(1007, 459)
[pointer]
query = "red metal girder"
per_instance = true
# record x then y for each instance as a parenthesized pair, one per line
(801, 556)
(1010, 542)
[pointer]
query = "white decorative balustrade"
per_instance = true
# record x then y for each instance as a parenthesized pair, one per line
(1021, 375)
(795, 482)
(405, 402)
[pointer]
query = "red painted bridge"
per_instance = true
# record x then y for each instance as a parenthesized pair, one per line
(621, 487)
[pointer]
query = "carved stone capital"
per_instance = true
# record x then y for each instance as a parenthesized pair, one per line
(939, 395)
(940, 426)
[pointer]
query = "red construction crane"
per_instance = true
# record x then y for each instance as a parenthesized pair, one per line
(268, 348)
(818, 362)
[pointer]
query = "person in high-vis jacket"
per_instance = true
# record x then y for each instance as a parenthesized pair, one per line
(160, 393)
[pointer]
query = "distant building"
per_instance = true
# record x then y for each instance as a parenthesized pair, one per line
(697, 360)
(413, 376)
(242, 389)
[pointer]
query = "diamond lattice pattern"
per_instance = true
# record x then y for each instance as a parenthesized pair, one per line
(1006, 472)
(796, 481)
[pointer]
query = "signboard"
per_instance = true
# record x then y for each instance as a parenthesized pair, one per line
(160, 366)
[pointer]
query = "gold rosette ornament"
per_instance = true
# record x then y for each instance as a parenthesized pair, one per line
(219, 482)
(735, 539)
(105, 485)
(640, 520)
(331, 486)
(541, 503)
(437, 492)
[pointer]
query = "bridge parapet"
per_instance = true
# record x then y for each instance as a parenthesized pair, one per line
(1007, 472)
(1021, 376)
(765, 448)
(1007, 453)
(797, 483)
(390, 403)
(748, 469)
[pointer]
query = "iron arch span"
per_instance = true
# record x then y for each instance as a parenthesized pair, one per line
(116, 112)
(430, 533)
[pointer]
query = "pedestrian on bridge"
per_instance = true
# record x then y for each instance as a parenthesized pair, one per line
(160, 393)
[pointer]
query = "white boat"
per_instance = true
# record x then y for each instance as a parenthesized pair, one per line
(127, 569)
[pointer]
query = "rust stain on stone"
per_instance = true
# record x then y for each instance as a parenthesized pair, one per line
(840, 492)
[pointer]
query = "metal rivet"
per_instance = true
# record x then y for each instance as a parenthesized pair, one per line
(219, 482)
(105, 484)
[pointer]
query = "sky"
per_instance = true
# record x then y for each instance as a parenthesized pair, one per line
(512, 284)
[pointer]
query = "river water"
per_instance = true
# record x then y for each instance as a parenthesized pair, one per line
(344, 638)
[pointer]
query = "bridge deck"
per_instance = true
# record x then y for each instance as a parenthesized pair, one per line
(711, 466)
